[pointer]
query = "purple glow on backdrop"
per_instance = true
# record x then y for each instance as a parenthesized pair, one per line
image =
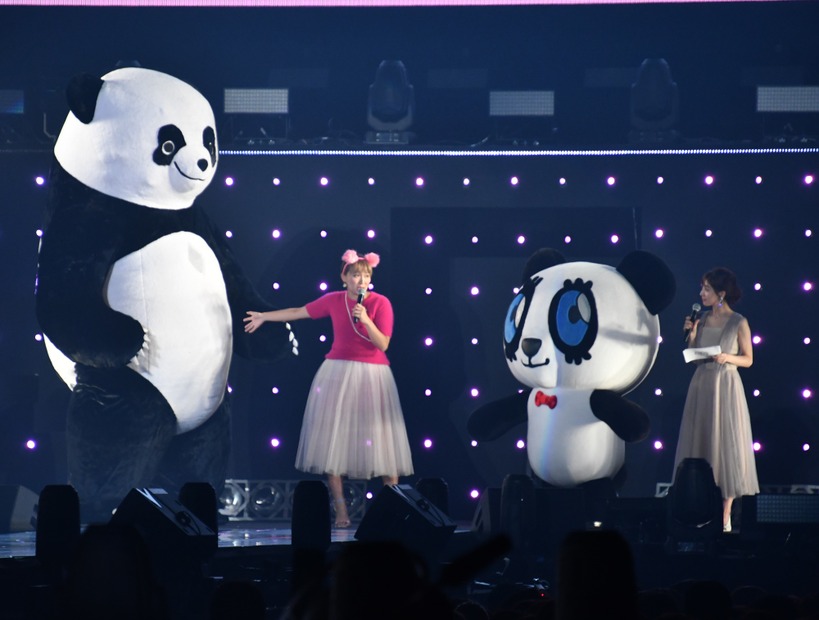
(428, 443)
(276, 233)
(371, 181)
(324, 181)
(31, 444)
(371, 234)
(514, 181)
(229, 181)
(428, 239)
(807, 286)
(520, 444)
(709, 180)
(466, 182)
(611, 181)
(229, 234)
(658, 445)
(274, 442)
(419, 182)
(660, 180)
(277, 181)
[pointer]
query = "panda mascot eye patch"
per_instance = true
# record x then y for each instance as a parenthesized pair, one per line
(170, 139)
(573, 320)
(516, 317)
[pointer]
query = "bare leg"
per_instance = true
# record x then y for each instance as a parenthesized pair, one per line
(339, 504)
(726, 513)
(387, 480)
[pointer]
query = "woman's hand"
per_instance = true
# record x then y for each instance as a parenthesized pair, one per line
(360, 313)
(690, 327)
(253, 321)
(721, 358)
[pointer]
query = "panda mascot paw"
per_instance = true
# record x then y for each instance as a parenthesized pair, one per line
(139, 297)
(580, 335)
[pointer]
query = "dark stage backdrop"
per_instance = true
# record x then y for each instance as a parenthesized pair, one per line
(452, 252)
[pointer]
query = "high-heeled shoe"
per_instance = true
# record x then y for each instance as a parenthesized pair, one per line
(726, 527)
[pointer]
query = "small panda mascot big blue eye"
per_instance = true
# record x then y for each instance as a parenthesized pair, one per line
(581, 335)
(138, 295)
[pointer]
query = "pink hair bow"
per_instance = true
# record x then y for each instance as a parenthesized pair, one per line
(351, 257)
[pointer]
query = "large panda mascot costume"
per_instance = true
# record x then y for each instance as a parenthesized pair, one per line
(138, 296)
(581, 335)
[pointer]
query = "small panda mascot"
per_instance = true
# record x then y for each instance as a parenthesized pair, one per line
(581, 335)
(138, 296)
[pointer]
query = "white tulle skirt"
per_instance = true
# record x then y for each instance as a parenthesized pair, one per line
(353, 424)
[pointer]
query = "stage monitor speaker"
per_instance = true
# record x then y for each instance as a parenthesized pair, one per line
(58, 524)
(401, 514)
(167, 525)
(17, 504)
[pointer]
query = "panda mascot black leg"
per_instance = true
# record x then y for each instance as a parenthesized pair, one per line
(199, 455)
(118, 428)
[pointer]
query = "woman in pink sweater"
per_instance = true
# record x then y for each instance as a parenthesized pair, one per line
(353, 423)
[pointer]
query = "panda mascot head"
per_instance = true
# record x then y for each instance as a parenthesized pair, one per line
(139, 135)
(581, 335)
(139, 297)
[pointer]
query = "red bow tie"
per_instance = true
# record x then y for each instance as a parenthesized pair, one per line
(545, 399)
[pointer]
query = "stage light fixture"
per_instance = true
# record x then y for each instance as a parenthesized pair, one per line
(252, 114)
(390, 105)
(654, 103)
(521, 103)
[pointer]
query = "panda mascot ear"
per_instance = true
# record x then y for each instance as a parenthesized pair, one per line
(650, 277)
(540, 260)
(82, 93)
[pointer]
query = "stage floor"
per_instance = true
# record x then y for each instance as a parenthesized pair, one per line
(232, 535)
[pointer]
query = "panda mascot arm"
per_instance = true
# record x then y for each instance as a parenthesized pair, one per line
(492, 420)
(627, 419)
(273, 340)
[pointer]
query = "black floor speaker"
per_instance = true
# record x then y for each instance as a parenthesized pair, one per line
(167, 525)
(16, 508)
(399, 513)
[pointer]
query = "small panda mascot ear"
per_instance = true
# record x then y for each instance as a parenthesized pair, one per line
(650, 277)
(82, 93)
(540, 260)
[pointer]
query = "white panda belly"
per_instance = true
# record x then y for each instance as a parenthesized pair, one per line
(175, 289)
(568, 445)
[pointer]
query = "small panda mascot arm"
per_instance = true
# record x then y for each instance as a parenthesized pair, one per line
(581, 335)
(138, 296)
